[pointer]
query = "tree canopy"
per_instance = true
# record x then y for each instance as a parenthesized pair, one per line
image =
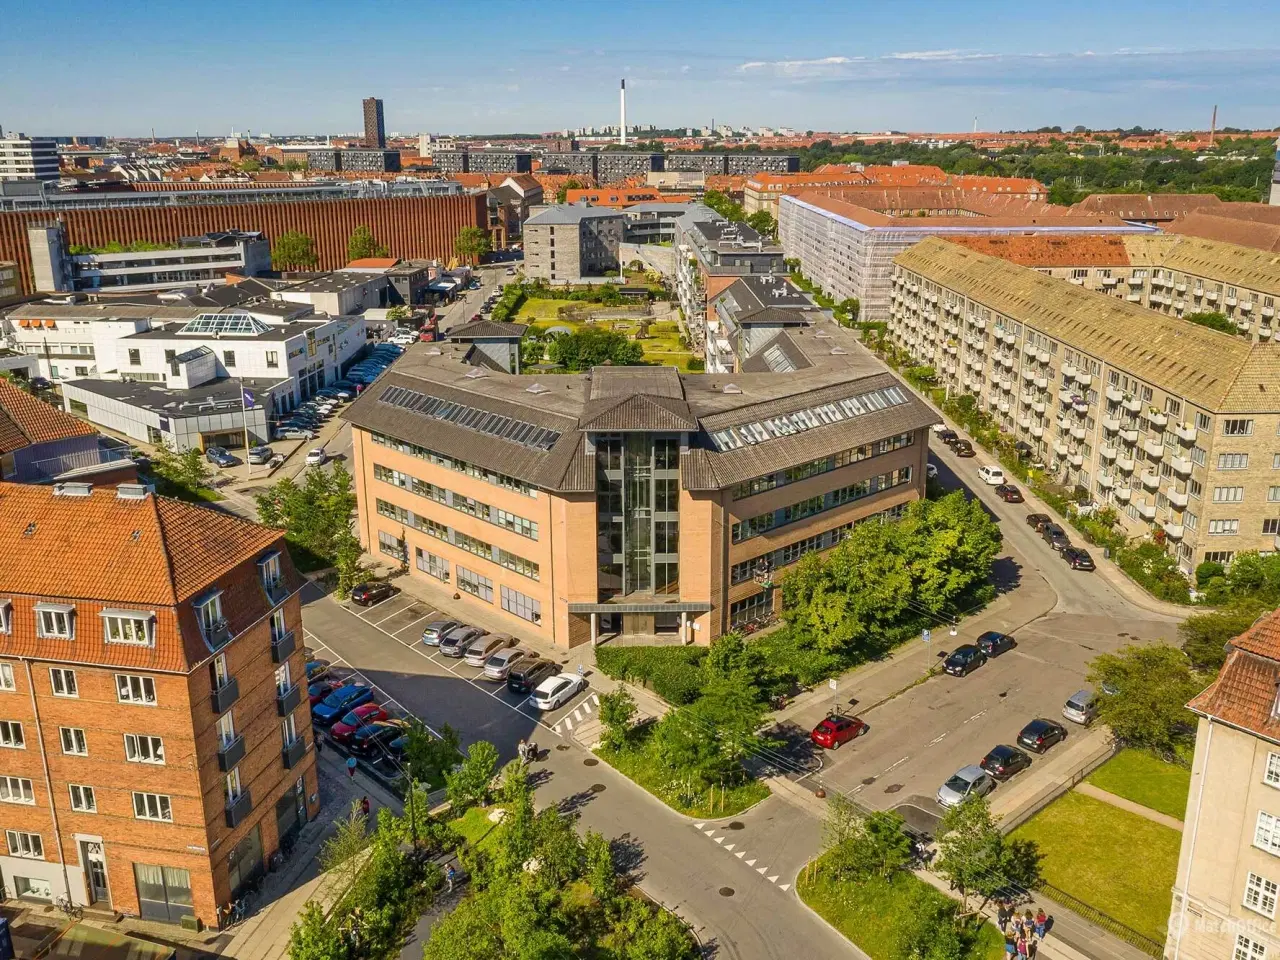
(1213, 320)
(1145, 693)
(294, 250)
(591, 346)
(362, 244)
(471, 244)
(315, 515)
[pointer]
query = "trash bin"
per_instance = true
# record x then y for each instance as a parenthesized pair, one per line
(1106, 552)
(6, 940)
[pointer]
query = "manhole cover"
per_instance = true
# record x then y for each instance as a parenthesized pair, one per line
(562, 746)
(893, 788)
(737, 825)
(726, 891)
(597, 788)
(868, 781)
(590, 762)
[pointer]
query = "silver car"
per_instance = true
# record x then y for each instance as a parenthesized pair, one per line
(455, 642)
(1081, 708)
(499, 666)
(482, 648)
(436, 629)
(967, 781)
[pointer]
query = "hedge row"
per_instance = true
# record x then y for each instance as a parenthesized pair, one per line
(673, 673)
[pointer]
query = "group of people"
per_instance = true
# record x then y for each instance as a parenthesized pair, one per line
(1022, 931)
(527, 751)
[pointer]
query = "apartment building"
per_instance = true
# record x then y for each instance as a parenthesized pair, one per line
(375, 131)
(695, 489)
(28, 158)
(194, 262)
(155, 739)
(764, 189)
(482, 161)
(8, 279)
(732, 164)
(846, 241)
(1174, 425)
(565, 242)
(746, 320)
(1176, 275)
(1228, 879)
(613, 165)
(354, 160)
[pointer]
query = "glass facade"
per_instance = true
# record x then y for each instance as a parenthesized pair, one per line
(638, 513)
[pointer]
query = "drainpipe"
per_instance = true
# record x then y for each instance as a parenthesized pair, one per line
(48, 783)
(552, 554)
(1191, 849)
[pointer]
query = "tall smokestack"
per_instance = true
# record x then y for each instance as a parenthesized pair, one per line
(622, 123)
(1213, 125)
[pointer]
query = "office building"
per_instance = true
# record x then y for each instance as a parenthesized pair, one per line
(28, 158)
(194, 262)
(1170, 423)
(566, 242)
(846, 239)
(159, 741)
(697, 489)
(1228, 879)
(375, 132)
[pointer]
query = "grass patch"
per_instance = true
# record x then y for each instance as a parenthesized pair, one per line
(638, 765)
(661, 346)
(870, 913)
(474, 827)
(167, 488)
(1113, 860)
(1145, 779)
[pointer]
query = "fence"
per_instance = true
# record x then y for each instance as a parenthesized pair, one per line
(1052, 791)
(1100, 919)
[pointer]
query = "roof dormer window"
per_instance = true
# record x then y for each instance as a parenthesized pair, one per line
(136, 627)
(55, 621)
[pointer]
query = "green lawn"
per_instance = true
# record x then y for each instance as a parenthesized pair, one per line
(1113, 860)
(1146, 779)
(474, 826)
(661, 346)
(639, 766)
(868, 913)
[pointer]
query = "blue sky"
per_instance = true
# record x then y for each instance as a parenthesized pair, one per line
(127, 67)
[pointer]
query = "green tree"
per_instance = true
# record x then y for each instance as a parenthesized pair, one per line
(1211, 319)
(928, 928)
(429, 756)
(592, 346)
(600, 871)
(1062, 193)
(617, 712)
(294, 250)
(316, 517)
(762, 222)
(573, 183)
(970, 849)
(187, 471)
(361, 244)
(471, 244)
(1205, 635)
(1148, 689)
(343, 852)
(723, 205)
(313, 937)
(399, 312)
(468, 785)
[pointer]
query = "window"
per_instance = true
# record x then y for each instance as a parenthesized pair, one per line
(475, 584)
(73, 741)
(152, 806)
(1260, 895)
(288, 730)
(1247, 949)
(1203, 422)
(1272, 774)
(1191, 520)
(16, 790)
(63, 682)
(135, 358)
(273, 359)
(6, 677)
(524, 607)
(121, 626)
(82, 798)
(1275, 461)
(1195, 488)
(1233, 461)
(1223, 557)
(1237, 428)
(134, 689)
(11, 735)
(278, 626)
(1224, 528)
(1273, 494)
(25, 845)
(520, 565)
(283, 679)
(392, 546)
(431, 565)
(1229, 494)
(6, 614)
(143, 749)
(1270, 527)
(226, 730)
(55, 621)
(232, 786)
(269, 571)
(228, 358)
(753, 607)
(1266, 834)
(209, 615)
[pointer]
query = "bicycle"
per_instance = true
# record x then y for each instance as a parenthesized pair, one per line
(65, 904)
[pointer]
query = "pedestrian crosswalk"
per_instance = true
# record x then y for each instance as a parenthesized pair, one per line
(740, 854)
(580, 715)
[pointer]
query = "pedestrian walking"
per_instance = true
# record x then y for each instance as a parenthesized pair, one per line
(319, 745)
(1015, 925)
(449, 874)
(364, 805)
(351, 768)
(1010, 948)
(1031, 948)
(1002, 915)
(1022, 946)
(1041, 919)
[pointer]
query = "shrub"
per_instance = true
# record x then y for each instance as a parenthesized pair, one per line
(673, 673)
(1156, 571)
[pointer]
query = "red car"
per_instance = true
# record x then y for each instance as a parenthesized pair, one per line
(362, 715)
(321, 689)
(1009, 493)
(835, 730)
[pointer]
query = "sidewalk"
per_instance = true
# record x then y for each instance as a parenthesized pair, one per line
(1051, 776)
(1155, 816)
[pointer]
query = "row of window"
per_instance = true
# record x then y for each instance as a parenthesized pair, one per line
(822, 465)
(754, 526)
(130, 688)
(395, 547)
(138, 748)
(474, 508)
(789, 554)
(461, 466)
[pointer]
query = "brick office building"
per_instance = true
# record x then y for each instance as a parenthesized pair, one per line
(155, 739)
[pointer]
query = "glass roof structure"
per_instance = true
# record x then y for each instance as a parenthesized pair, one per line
(231, 324)
(471, 418)
(787, 424)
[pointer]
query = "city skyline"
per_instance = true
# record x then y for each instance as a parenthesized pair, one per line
(921, 66)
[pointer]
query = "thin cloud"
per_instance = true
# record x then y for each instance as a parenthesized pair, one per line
(796, 66)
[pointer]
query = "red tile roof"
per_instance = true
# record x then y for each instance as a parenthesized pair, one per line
(1156, 206)
(1244, 233)
(1080, 250)
(1245, 693)
(24, 420)
(387, 262)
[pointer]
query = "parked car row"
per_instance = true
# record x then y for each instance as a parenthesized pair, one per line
(1056, 537)
(348, 715)
(305, 420)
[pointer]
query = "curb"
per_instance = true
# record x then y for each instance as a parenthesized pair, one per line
(795, 887)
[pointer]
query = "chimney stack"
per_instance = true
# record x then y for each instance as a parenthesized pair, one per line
(622, 124)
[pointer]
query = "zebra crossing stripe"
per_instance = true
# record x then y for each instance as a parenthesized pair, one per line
(586, 705)
(568, 724)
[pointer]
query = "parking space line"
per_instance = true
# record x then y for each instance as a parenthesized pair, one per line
(412, 624)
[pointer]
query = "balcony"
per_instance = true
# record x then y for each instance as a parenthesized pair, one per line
(283, 646)
(275, 589)
(1037, 431)
(1114, 395)
(1123, 494)
(977, 322)
(1106, 482)
(1006, 386)
(1247, 306)
(1179, 498)
(1157, 420)
(1151, 480)
(1180, 287)
(1076, 460)
(1065, 397)
(1186, 433)
(1132, 404)
(288, 701)
(1078, 432)
(1135, 297)
(1180, 465)
(229, 754)
(1134, 281)
(1038, 406)
(1043, 356)
(1212, 296)
(1174, 531)
(224, 696)
(1108, 453)
(217, 633)
(1004, 406)
(1028, 374)
(1084, 379)
(1268, 311)
(1027, 399)
(1110, 424)
(1069, 371)
(1125, 465)
(1006, 362)
(239, 808)
(1010, 339)
(1042, 383)
(1231, 301)
(1129, 436)
(1024, 423)
(1147, 511)
(1079, 406)
(1153, 449)
(1060, 448)
(291, 755)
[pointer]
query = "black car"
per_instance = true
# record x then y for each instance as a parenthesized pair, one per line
(40, 383)
(367, 594)
(963, 660)
(1055, 536)
(948, 436)
(1041, 734)
(993, 644)
(963, 448)
(1078, 559)
(1004, 761)
(1037, 521)
(525, 676)
(371, 738)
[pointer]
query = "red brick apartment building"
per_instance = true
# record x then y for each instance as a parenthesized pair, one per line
(155, 739)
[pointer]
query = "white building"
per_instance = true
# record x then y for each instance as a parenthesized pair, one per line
(28, 158)
(340, 292)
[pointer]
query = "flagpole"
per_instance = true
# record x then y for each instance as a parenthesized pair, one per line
(244, 413)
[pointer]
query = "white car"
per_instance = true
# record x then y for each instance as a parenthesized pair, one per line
(404, 339)
(939, 428)
(556, 691)
(931, 471)
(991, 475)
(316, 457)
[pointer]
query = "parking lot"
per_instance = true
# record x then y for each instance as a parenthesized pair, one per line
(382, 644)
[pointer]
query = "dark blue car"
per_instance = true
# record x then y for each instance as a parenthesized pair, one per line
(336, 705)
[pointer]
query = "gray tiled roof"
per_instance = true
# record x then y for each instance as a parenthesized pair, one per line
(487, 330)
(569, 213)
